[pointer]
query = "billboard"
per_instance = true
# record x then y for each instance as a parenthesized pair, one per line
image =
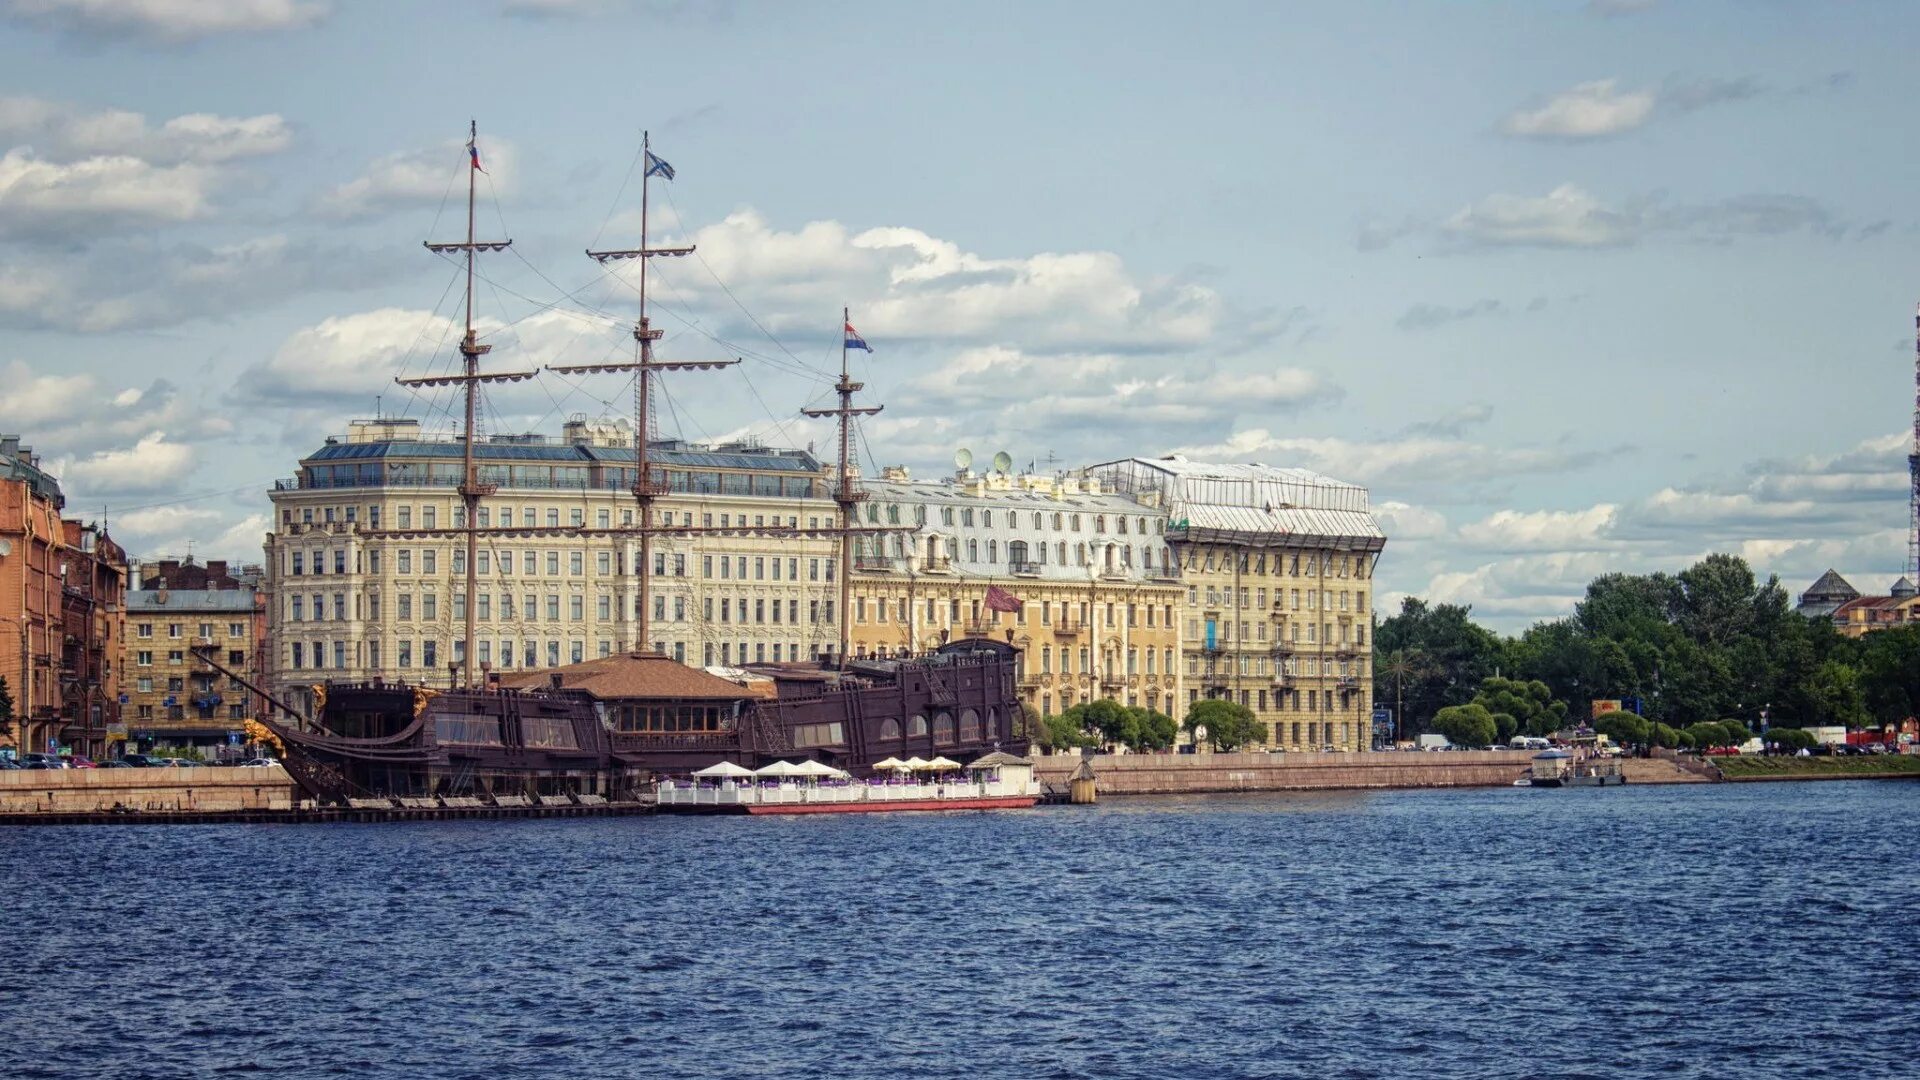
(1606, 705)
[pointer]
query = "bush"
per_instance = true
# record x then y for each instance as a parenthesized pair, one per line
(1466, 725)
(1624, 728)
(1791, 739)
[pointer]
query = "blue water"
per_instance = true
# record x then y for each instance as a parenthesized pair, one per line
(1756, 930)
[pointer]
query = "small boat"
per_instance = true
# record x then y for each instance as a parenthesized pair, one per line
(995, 781)
(1550, 769)
(1604, 772)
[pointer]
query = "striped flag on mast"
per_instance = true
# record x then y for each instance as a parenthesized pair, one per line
(855, 341)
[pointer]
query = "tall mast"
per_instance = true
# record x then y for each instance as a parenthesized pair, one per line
(646, 488)
(470, 378)
(1913, 465)
(844, 491)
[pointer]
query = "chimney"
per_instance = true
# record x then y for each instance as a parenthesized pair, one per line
(216, 568)
(555, 679)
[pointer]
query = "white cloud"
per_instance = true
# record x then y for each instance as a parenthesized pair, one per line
(152, 464)
(1402, 460)
(1565, 217)
(1542, 530)
(1405, 523)
(1589, 110)
(33, 402)
(922, 288)
(46, 199)
(421, 177)
(171, 21)
(61, 131)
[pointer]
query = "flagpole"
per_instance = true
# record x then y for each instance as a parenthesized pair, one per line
(849, 514)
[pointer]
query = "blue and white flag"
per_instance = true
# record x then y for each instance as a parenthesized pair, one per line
(656, 167)
(855, 341)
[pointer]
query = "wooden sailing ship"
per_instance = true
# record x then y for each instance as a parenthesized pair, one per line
(604, 729)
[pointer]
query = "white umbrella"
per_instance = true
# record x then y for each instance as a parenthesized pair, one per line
(725, 769)
(778, 769)
(891, 763)
(817, 768)
(914, 764)
(942, 763)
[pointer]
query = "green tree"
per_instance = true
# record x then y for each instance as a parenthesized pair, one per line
(1029, 722)
(1152, 730)
(1521, 705)
(1397, 668)
(1229, 724)
(1110, 719)
(1066, 730)
(6, 708)
(1835, 695)
(1457, 652)
(1890, 673)
(1790, 739)
(1466, 725)
(1662, 735)
(1625, 728)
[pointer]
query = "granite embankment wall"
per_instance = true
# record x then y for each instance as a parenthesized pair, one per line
(1174, 774)
(88, 790)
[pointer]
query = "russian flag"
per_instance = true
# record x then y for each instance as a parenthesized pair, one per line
(855, 341)
(474, 152)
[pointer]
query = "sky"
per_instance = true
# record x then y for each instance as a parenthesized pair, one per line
(1573, 287)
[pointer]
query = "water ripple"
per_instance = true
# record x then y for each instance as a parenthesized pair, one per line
(1699, 932)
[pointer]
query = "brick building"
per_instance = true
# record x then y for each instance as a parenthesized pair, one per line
(62, 595)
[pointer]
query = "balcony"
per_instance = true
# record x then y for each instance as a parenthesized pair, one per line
(1347, 682)
(1069, 629)
(1282, 678)
(872, 564)
(941, 565)
(1283, 649)
(1030, 680)
(979, 628)
(1024, 569)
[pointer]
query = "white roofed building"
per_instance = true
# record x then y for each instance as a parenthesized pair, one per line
(1277, 568)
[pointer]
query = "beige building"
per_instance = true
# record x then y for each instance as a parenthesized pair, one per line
(1098, 592)
(1276, 568)
(366, 581)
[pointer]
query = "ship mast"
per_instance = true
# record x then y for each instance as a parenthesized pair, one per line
(844, 492)
(646, 488)
(470, 378)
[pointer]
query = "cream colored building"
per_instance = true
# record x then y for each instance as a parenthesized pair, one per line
(360, 587)
(1099, 595)
(1277, 570)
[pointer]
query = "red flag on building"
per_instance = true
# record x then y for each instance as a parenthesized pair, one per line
(999, 599)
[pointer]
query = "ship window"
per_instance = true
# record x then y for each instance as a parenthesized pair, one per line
(943, 728)
(468, 729)
(548, 732)
(969, 726)
(889, 729)
(916, 727)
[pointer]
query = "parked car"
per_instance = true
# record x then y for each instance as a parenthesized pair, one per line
(8, 763)
(259, 763)
(42, 761)
(41, 765)
(113, 764)
(78, 762)
(138, 761)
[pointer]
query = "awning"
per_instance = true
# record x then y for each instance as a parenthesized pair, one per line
(725, 768)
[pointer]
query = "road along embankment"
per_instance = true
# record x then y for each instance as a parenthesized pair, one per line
(204, 790)
(1180, 774)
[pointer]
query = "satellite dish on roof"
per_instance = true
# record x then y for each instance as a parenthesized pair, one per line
(962, 458)
(1002, 462)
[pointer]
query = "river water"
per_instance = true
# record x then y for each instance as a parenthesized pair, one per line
(1731, 930)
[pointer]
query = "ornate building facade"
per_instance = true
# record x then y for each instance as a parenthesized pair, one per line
(1276, 569)
(366, 582)
(1087, 574)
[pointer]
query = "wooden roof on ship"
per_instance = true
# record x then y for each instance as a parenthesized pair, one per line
(647, 676)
